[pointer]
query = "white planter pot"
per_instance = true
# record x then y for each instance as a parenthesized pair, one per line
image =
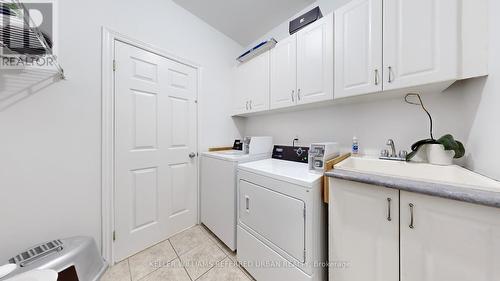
(438, 156)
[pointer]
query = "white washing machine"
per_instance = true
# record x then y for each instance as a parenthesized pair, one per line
(282, 223)
(218, 187)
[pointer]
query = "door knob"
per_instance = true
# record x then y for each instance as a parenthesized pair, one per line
(192, 155)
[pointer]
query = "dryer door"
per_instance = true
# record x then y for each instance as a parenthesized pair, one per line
(276, 217)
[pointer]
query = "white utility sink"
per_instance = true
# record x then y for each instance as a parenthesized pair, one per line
(452, 175)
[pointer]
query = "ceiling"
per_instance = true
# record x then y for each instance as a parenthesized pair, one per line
(244, 20)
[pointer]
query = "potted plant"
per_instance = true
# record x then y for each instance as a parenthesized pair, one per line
(440, 151)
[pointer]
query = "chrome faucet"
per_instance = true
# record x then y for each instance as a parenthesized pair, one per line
(392, 155)
(390, 142)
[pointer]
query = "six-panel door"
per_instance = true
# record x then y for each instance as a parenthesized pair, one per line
(155, 177)
(443, 239)
(358, 48)
(363, 232)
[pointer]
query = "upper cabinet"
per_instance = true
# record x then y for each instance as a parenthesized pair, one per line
(315, 61)
(386, 45)
(358, 48)
(252, 85)
(302, 66)
(299, 71)
(284, 73)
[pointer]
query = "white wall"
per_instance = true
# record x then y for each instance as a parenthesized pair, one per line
(468, 110)
(50, 141)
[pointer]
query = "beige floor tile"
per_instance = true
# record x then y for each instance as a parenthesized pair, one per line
(118, 272)
(151, 259)
(200, 259)
(226, 270)
(173, 271)
(189, 239)
(224, 248)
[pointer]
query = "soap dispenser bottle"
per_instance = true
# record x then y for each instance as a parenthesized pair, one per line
(355, 146)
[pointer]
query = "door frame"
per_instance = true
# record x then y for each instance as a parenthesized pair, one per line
(108, 130)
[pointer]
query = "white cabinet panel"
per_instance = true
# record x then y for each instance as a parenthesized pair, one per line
(315, 61)
(358, 48)
(363, 232)
(450, 240)
(284, 73)
(421, 39)
(252, 90)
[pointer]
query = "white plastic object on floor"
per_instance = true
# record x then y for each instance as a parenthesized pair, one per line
(6, 269)
(36, 275)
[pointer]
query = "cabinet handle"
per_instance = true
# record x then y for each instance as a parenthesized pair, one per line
(298, 94)
(246, 105)
(412, 225)
(376, 77)
(389, 209)
(250, 104)
(293, 93)
(247, 203)
(390, 74)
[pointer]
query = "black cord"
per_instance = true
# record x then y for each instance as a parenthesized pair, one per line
(421, 103)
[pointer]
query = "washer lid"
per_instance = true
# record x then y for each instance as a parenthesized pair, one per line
(293, 172)
(235, 155)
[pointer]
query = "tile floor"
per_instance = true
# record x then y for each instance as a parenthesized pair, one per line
(194, 254)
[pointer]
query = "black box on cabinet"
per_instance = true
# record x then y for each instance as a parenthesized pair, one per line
(305, 19)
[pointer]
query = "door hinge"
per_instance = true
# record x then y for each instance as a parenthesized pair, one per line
(114, 236)
(114, 65)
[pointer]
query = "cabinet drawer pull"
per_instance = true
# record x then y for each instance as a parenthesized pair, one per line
(389, 209)
(412, 225)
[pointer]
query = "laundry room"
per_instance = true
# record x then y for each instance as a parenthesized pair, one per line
(305, 140)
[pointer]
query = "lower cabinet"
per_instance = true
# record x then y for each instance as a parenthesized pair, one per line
(427, 239)
(448, 240)
(363, 232)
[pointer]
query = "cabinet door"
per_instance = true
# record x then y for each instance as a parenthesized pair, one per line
(252, 90)
(284, 73)
(315, 61)
(241, 97)
(420, 42)
(358, 48)
(363, 232)
(450, 240)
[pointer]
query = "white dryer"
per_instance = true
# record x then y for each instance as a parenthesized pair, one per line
(282, 223)
(218, 187)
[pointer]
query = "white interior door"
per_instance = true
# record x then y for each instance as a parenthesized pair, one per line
(315, 61)
(363, 231)
(448, 240)
(358, 48)
(284, 73)
(420, 42)
(155, 176)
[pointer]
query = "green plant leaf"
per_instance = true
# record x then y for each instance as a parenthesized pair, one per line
(450, 143)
